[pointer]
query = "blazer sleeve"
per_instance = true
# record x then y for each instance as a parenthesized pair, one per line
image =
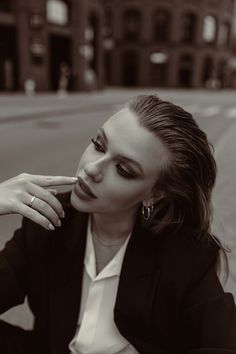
(13, 271)
(210, 314)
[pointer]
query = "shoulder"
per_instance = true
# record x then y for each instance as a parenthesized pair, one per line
(185, 259)
(180, 248)
(182, 245)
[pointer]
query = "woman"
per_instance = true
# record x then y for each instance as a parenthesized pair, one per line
(132, 268)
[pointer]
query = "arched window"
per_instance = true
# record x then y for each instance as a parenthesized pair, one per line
(107, 23)
(8, 58)
(209, 29)
(108, 44)
(130, 68)
(161, 21)
(58, 12)
(224, 34)
(189, 23)
(132, 23)
(158, 69)
(186, 71)
(91, 38)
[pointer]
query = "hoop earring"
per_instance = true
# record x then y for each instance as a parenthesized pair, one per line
(147, 212)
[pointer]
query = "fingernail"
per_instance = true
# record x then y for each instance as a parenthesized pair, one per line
(59, 223)
(62, 214)
(51, 227)
(74, 179)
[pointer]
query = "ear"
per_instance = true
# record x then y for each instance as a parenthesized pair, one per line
(154, 198)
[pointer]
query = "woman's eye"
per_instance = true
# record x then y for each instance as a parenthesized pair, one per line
(98, 146)
(123, 172)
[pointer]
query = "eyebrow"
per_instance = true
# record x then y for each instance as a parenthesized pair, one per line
(124, 158)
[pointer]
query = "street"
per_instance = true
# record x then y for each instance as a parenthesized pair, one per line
(46, 134)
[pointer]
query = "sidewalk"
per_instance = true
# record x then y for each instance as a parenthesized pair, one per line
(18, 106)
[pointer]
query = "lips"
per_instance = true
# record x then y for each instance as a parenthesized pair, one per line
(85, 188)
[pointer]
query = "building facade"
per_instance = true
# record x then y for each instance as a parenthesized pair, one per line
(168, 43)
(86, 44)
(56, 44)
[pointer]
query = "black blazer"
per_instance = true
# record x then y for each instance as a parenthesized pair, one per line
(169, 298)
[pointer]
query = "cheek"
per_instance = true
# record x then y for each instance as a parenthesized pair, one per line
(126, 192)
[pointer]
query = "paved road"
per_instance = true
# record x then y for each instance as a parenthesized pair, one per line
(46, 135)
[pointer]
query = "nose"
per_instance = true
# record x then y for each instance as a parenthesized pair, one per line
(93, 171)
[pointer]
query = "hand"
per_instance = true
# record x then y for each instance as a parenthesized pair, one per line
(16, 198)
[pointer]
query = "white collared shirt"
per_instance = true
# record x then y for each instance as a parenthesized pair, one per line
(97, 332)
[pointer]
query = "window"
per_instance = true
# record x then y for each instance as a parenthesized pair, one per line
(224, 34)
(91, 34)
(132, 23)
(161, 25)
(57, 12)
(158, 68)
(186, 66)
(208, 68)
(189, 22)
(130, 68)
(107, 29)
(209, 29)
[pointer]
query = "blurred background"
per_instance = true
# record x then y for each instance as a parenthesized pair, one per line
(96, 43)
(67, 65)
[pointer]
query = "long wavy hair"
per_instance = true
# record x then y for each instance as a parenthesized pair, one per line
(187, 179)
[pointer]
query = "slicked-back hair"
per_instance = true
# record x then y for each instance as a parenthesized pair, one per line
(188, 177)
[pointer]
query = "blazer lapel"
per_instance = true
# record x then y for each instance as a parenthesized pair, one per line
(66, 279)
(138, 283)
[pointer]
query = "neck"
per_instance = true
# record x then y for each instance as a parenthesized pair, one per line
(112, 227)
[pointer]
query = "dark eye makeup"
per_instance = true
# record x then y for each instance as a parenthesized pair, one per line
(120, 169)
(124, 172)
(98, 146)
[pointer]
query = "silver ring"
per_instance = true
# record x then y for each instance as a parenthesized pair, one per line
(31, 201)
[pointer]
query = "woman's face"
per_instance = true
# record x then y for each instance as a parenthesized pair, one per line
(119, 168)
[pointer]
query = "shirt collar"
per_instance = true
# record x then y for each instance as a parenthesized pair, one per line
(113, 268)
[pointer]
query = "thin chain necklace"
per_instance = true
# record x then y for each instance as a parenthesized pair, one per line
(103, 243)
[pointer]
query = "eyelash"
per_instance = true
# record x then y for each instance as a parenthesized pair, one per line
(98, 147)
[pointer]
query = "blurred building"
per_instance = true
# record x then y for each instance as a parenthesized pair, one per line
(168, 43)
(54, 44)
(86, 44)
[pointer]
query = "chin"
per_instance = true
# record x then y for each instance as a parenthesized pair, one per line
(80, 204)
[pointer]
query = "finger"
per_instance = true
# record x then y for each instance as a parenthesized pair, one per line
(53, 191)
(47, 181)
(47, 197)
(46, 210)
(34, 215)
